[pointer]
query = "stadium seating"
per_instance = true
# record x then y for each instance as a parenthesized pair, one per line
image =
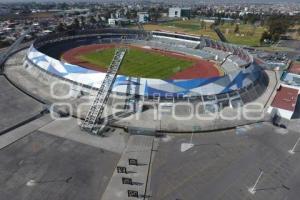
(238, 86)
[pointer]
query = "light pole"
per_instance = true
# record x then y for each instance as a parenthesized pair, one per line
(252, 190)
(292, 151)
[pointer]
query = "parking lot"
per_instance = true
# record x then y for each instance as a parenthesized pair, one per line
(15, 106)
(42, 166)
(224, 165)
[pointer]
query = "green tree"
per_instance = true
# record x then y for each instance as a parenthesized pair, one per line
(237, 29)
(278, 25)
(265, 36)
(203, 24)
(275, 37)
(222, 22)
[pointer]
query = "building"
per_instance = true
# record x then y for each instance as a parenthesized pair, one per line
(143, 17)
(118, 21)
(295, 68)
(292, 75)
(112, 21)
(284, 103)
(179, 12)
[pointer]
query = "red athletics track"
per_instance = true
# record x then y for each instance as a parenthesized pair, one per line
(200, 69)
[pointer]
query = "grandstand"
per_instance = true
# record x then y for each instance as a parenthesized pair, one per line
(242, 82)
(220, 55)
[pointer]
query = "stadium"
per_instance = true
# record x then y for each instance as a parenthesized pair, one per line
(234, 75)
(144, 100)
(158, 68)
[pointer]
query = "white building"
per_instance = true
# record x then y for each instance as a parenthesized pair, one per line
(118, 21)
(112, 21)
(179, 12)
(175, 12)
(143, 17)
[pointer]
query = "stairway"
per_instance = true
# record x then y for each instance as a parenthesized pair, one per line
(102, 96)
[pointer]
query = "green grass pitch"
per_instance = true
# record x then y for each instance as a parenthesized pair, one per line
(139, 63)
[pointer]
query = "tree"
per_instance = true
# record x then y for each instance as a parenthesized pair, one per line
(278, 25)
(82, 21)
(266, 36)
(218, 21)
(298, 31)
(64, 6)
(75, 25)
(131, 14)
(61, 27)
(4, 43)
(107, 14)
(275, 37)
(222, 21)
(100, 21)
(203, 24)
(154, 14)
(237, 29)
(92, 20)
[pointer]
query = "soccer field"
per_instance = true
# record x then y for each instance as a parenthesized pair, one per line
(140, 63)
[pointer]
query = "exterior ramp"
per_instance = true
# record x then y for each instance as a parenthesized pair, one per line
(102, 96)
(11, 49)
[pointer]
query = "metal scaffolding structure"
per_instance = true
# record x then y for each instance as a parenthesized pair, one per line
(132, 91)
(97, 108)
(140, 27)
(145, 34)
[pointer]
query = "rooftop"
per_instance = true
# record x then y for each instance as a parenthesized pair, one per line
(295, 68)
(286, 98)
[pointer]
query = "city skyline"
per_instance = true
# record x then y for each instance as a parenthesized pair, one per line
(178, 2)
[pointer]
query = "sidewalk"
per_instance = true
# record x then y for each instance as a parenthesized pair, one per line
(140, 148)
